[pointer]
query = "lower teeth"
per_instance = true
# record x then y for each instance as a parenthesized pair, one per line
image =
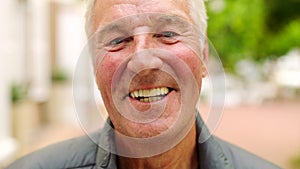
(151, 99)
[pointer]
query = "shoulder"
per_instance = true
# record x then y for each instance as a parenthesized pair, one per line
(73, 153)
(243, 159)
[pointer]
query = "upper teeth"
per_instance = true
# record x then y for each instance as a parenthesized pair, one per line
(149, 93)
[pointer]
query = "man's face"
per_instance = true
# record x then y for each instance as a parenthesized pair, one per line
(147, 64)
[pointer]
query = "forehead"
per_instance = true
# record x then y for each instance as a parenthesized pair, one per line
(106, 11)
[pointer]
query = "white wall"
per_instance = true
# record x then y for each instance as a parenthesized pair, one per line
(9, 61)
(70, 34)
(11, 70)
(39, 50)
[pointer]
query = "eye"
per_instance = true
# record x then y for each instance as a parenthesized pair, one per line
(167, 37)
(119, 40)
(167, 34)
(118, 43)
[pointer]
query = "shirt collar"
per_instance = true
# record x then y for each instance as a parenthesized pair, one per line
(210, 153)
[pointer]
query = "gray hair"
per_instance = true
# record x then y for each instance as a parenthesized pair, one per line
(197, 12)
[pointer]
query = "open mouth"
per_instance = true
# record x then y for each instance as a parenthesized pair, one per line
(150, 95)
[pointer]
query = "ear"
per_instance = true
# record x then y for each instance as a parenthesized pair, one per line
(205, 58)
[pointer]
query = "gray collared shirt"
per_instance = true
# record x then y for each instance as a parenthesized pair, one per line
(214, 153)
(85, 153)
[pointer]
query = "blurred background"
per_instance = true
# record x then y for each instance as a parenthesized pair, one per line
(258, 42)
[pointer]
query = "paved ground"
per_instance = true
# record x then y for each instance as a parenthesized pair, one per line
(271, 130)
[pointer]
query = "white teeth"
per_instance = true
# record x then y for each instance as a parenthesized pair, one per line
(151, 99)
(136, 94)
(146, 93)
(150, 95)
(165, 90)
(154, 92)
(146, 99)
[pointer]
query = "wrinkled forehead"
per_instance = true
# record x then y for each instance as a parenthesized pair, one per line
(107, 11)
(150, 20)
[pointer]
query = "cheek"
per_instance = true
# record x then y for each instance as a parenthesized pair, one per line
(193, 61)
(189, 57)
(105, 71)
(194, 64)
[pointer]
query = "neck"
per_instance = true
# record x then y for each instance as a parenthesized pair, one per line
(182, 156)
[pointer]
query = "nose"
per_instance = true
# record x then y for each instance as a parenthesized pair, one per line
(144, 55)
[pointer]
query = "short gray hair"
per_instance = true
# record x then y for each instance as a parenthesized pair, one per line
(197, 12)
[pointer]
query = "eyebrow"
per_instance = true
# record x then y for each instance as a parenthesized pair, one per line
(173, 20)
(112, 27)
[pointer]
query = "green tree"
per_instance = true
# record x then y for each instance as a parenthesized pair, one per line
(253, 29)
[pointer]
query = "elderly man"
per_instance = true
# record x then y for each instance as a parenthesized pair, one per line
(149, 63)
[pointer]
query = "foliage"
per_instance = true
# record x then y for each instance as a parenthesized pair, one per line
(295, 162)
(17, 92)
(244, 29)
(279, 13)
(59, 75)
(282, 41)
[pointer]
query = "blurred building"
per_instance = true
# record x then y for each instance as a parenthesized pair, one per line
(41, 41)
